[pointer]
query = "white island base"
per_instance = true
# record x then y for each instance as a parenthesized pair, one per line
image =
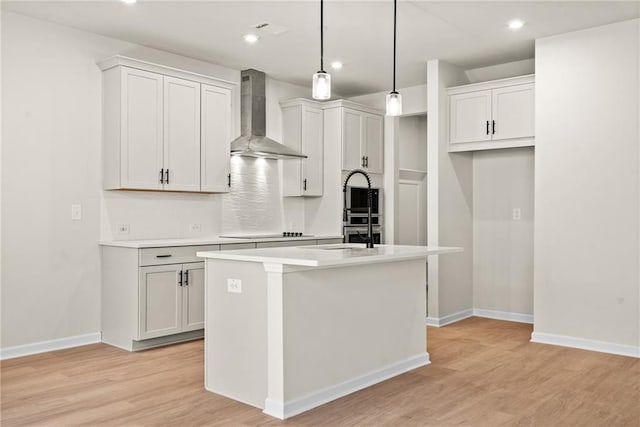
(289, 329)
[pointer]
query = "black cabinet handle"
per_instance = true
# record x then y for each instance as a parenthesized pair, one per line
(167, 180)
(366, 162)
(304, 184)
(180, 278)
(487, 127)
(493, 127)
(164, 256)
(229, 180)
(186, 277)
(162, 176)
(362, 163)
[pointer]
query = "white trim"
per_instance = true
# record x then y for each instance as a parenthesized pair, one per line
(139, 64)
(451, 318)
(503, 315)
(51, 345)
(456, 147)
(492, 84)
(283, 410)
(584, 344)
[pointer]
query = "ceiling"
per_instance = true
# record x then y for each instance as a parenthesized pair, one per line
(359, 33)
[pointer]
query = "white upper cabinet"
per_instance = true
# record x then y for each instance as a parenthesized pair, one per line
(513, 112)
(181, 135)
(470, 117)
(373, 143)
(216, 138)
(352, 140)
(489, 115)
(302, 130)
(362, 132)
(164, 129)
(141, 129)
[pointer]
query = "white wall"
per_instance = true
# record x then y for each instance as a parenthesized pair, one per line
(51, 159)
(51, 144)
(502, 246)
(586, 279)
(449, 201)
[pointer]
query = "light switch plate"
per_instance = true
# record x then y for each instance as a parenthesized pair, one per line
(123, 229)
(234, 286)
(195, 228)
(76, 212)
(517, 214)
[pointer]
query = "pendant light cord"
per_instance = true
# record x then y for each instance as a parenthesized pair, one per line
(321, 35)
(395, 5)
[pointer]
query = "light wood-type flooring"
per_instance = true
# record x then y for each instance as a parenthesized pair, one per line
(483, 373)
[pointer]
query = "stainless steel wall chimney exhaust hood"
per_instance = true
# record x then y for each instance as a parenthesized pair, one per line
(253, 142)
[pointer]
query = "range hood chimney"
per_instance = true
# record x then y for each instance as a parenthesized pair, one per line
(253, 142)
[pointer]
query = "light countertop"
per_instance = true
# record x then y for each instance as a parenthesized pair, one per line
(330, 255)
(203, 241)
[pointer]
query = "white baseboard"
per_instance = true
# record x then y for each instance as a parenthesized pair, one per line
(51, 345)
(283, 410)
(503, 315)
(584, 344)
(451, 318)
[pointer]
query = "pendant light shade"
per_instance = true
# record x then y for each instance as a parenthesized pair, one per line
(394, 99)
(321, 85)
(321, 79)
(394, 104)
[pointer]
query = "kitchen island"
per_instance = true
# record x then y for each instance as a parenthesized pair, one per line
(289, 329)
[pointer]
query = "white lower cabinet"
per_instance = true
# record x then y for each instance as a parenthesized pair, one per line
(171, 299)
(155, 296)
(152, 296)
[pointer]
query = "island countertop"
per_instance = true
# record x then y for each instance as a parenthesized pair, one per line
(330, 255)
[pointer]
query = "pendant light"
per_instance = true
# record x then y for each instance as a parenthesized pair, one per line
(394, 99)
(321, 79)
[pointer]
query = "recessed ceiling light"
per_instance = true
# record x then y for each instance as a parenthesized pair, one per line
(516, 24)
(129, 1)
(336, 65)
(251, 38)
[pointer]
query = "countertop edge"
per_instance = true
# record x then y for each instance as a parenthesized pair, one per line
(239, 256)
(163, 243)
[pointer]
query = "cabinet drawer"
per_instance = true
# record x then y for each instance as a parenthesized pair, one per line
(234, 246)
(286, 243)
(173, 254)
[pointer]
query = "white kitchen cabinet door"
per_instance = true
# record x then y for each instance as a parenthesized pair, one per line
(313, 147)
(373, 142)
(292, 138)
(302, 130)
(513, 112)
(470, 117)
(216, 138)
(141, 157)
(193, 297)
(181, 135)
(352, 140)
(160, 301)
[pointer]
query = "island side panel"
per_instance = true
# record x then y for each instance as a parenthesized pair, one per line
(344, 323)
(236, 331)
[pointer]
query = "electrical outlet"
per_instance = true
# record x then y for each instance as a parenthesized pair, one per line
(76, 212)
(194, 228)
(234, 286)
(123, 229)
(517, 215)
